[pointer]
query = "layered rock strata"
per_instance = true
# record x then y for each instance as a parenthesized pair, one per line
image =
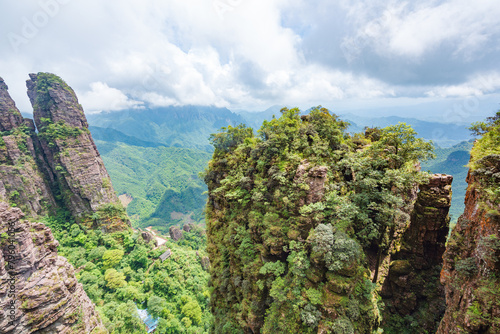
(82, 180)
(24, 176)
(39, 292)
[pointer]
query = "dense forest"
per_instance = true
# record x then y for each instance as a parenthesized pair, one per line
(301, 216)
(122, 272)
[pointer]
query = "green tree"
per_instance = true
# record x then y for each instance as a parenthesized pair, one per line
(156, 305)
(192, 310)
(112, 257)
(402, 146)
(229, 138)
(114, 279)
(480, 128)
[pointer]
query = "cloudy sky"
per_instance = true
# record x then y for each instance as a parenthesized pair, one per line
(437, 59)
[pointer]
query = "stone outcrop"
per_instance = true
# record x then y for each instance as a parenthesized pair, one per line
(175, 233)
(24, 176)
(471, 262)
(411, 287)
(147, 237)
(10, 117)
(314, 178)
(39, 292)
(188, 227)
(81, 178)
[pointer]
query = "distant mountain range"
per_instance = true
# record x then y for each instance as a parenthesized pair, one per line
(187, 126)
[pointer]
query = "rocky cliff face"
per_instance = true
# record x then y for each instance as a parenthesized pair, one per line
(38, 289)
(24, 174)
(471, 270)
(57, 168)
(411, 290)
(10, 117)
(81, 178)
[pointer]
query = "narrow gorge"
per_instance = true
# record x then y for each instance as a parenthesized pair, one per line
(313, 230)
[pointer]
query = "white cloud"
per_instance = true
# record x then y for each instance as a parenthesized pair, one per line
(415, 29)
(478, 85)
(253, 54)
(102, 97)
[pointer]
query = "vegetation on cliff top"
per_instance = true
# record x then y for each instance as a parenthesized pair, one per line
(295, 216)
(46, 81)
(485, 157)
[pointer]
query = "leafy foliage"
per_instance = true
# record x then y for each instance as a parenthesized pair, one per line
(485, 156)
(121, 273)
(53, 132)
(291, 213)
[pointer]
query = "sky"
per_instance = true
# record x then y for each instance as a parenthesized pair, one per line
(434, 60)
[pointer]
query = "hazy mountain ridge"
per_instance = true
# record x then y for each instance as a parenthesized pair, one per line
(187, 126)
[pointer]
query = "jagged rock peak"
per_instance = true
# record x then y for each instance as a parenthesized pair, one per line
(10, 117)
(71, 153)
(54, 100)
(39, 292)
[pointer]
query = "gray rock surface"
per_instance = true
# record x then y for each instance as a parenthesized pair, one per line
(23, 172)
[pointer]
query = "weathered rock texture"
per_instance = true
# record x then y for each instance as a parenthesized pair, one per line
(411, 288)
(315, 179)
(23, 173)
(10, 117)
(175, 233)
(82, 179)
(471, 262)
(38, 289)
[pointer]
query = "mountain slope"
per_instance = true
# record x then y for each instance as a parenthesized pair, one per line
(163, 182)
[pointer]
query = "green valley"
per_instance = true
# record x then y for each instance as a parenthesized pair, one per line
(161, 182)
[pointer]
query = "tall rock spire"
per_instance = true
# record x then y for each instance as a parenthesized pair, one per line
(83, 181)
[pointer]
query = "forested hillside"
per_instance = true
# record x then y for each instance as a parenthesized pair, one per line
(161, 183)
(122, 271)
